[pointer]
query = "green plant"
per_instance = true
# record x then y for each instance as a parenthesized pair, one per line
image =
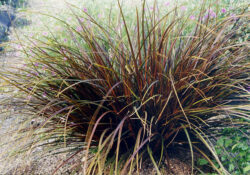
(127, 94)
(236, 142)
(233, 150)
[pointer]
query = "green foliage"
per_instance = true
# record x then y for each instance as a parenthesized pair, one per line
(233, 149)
(127, 92)
(202, 162)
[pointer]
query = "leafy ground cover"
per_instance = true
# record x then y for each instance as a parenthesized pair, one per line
(233, 149)
(127, 85)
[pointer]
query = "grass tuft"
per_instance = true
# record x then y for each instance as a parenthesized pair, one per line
(130, 93)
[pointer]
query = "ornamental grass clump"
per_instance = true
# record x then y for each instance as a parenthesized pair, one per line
(127, 94)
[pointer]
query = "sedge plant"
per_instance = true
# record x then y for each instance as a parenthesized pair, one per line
(122, 95)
